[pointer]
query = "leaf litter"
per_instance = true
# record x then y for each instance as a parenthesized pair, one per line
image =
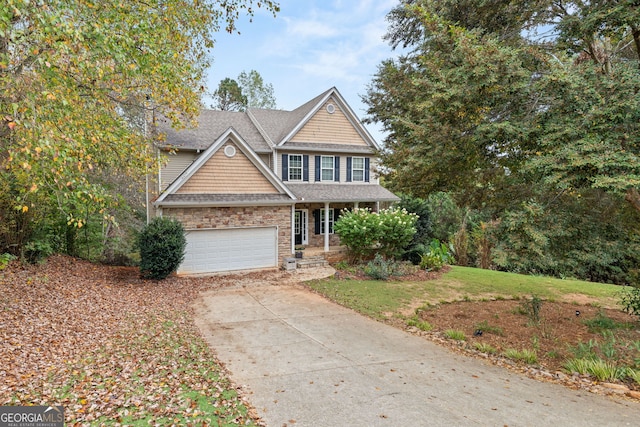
(112, 348)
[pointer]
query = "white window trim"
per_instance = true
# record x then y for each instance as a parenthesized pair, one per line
(331, 221)
(304, 225)
(353, 169)
(333, 168)
(301, 167)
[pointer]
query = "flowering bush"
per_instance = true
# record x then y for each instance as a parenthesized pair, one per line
(365, 232)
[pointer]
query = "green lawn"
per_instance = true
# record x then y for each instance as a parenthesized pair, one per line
(375, 298)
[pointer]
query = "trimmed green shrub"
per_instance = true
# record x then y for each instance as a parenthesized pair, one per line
(365, 232)
(162, 244)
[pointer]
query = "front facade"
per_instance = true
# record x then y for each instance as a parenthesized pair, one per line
(250, 187)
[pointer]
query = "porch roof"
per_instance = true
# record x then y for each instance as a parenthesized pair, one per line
(204, 200)
(321, 193)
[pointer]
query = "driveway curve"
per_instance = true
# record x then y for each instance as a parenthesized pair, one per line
(309, 362)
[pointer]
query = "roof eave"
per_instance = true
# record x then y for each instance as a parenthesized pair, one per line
(213, 204)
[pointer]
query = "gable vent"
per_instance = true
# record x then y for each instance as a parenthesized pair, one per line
(331, 108)
(229, 151)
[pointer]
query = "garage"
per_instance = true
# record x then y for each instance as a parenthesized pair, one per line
(217, 250)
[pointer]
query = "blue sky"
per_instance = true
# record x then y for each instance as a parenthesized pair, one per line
(309, 47)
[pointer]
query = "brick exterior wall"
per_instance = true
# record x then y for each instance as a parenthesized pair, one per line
(234, 217)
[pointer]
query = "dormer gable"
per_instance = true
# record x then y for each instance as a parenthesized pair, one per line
(228, 166)
(330, 121)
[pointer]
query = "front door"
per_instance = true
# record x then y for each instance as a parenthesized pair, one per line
(300, 227)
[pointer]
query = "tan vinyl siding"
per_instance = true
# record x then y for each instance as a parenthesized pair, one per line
(329, 128)
(228, 175)
(173, 165)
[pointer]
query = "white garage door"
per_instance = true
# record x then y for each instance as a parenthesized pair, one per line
(210, 251)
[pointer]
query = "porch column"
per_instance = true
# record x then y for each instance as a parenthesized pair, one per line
(326, 227)
(293, 228)
(355, 205)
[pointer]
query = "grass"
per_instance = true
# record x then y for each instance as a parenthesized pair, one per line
(485, 327)
(420, 324)
(373, 298)
(601, 323)
(608, 357)
(600, 369)
(485, 348)
(455, 335)
(527, 356)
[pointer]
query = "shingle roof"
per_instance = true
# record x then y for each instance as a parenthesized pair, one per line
(334, 148)
(341, 193)
(212, 124)
(176, 200)
(260, 128)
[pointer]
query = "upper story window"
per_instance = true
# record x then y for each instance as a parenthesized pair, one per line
(295, 167)
(327, 168)
(357, 169)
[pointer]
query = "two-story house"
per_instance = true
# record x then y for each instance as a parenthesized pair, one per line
(249, 187)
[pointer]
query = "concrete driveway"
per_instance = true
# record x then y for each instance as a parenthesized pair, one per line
(309, 362)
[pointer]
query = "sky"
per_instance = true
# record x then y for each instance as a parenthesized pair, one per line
(309, 47)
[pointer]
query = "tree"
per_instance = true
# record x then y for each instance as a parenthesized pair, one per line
(259, 94)
(248, 91)
(590, 127)
(531, 131)
(452, 106)
(229, 97)
(69, 73)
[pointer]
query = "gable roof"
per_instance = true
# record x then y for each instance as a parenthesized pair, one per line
(211, 125)
(169, 198)
(313, 106)
(261, 129)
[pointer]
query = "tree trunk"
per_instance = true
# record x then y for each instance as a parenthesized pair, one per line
(633, 197)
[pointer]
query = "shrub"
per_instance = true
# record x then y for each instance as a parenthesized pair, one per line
(162, 244)
(5, 259)
(531, 308)
(437, 256)
(379, 268)
(365, 232)
(630, 300)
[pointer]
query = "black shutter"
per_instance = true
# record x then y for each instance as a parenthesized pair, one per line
(366, 169)
(316, 220)
(336, 169)
(305, 168)
(285, 167)
(349, 160)
(317, 168)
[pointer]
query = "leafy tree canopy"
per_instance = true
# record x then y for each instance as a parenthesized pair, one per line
(259, 94)
(248, 91)
(229, 97)
(472, 106)
(74, 73)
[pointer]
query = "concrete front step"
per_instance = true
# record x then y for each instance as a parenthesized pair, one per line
(310, 262)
